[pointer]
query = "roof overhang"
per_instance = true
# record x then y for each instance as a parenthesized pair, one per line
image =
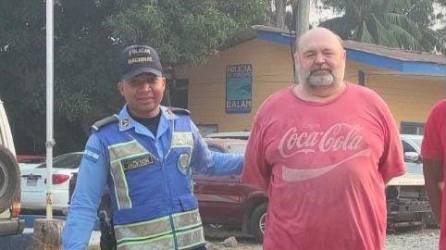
(383, 57)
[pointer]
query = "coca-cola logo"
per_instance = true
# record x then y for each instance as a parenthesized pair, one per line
(338, 137)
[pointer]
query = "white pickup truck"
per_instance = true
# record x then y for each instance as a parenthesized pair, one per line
(10, 224)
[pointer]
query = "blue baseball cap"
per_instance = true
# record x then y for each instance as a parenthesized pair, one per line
(138, 59)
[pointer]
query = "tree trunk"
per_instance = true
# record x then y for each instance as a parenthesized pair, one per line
(303, 17)
(302, 24)
(280, 13)
(269, 13)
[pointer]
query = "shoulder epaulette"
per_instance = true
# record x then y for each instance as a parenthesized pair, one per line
(179, 111)
(104, 121)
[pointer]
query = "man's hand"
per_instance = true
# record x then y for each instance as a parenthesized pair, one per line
(433, 179)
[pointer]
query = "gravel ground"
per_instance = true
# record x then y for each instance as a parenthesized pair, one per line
(410, 239)
(413, 240)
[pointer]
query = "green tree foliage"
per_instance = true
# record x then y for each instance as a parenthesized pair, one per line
(83, 72)
(400, 23)
(89, 35)
(183, 31)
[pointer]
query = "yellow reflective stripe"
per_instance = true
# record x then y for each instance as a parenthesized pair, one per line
(126, 149)
(190, 238)
(116, 153)
(186, 219)
(143, 230)
(121, 187)
(187, 225)
(162, 243)
(182, 139)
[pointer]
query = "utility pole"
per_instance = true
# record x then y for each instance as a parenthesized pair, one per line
(47, 232)
(302, 10)
(303, 17)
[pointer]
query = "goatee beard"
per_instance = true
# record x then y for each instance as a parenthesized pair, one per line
(320, 80)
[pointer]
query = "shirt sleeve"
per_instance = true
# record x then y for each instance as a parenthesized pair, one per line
(209, 162)
(431, 147)
(391, 163)
(256, 170)
(90, 184)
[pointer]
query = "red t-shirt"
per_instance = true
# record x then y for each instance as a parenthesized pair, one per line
(325, 166)
(434, 148)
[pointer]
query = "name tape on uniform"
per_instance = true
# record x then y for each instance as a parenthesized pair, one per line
(137, 161)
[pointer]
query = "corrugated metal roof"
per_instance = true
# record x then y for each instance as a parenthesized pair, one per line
(395, 53)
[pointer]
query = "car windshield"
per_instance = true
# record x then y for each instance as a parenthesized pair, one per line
(417, 141)
(70, 161)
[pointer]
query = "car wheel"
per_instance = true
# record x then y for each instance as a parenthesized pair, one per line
(257, 221)
(9, 178)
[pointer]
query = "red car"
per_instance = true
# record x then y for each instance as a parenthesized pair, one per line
(225, 200)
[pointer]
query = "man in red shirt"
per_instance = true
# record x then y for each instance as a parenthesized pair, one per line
(433, 151)
(324, 150)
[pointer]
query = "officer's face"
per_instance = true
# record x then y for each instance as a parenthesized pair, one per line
(143, 94)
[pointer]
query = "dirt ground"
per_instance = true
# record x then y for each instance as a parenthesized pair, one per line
(409, 239)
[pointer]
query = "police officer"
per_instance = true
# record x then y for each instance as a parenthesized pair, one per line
(144, 155)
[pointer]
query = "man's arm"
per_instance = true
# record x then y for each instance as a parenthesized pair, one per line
(208, 162)
(432, 150)
(391, 163)
(256, 170)
(433, 180)
(85, 201)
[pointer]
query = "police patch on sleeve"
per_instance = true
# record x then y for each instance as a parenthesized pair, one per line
(183, 163)
(137, 162)
(91, 154)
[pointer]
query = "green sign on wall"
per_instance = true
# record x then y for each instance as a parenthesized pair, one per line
(239, 88)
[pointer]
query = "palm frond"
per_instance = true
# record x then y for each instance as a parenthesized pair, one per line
(381, 32)
(404, 22)
(404, 38)
(365, 35)
(342, 26)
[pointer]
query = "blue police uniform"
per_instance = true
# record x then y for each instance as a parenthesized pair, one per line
(150, 182)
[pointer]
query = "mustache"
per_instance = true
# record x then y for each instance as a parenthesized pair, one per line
(320, 71)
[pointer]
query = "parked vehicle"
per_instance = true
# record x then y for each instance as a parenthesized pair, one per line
(225, 200)
(34, 182)
(407, 201)
(10, 224)
(242, 135)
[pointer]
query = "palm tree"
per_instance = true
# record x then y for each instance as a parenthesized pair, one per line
(395, 23)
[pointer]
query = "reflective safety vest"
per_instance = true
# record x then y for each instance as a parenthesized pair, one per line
(153, 202)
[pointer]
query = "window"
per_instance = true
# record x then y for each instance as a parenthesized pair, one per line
(414, 128)
(177, 91)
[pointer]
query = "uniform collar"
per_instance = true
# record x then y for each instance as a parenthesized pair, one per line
(167, 113)
(126, 122)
